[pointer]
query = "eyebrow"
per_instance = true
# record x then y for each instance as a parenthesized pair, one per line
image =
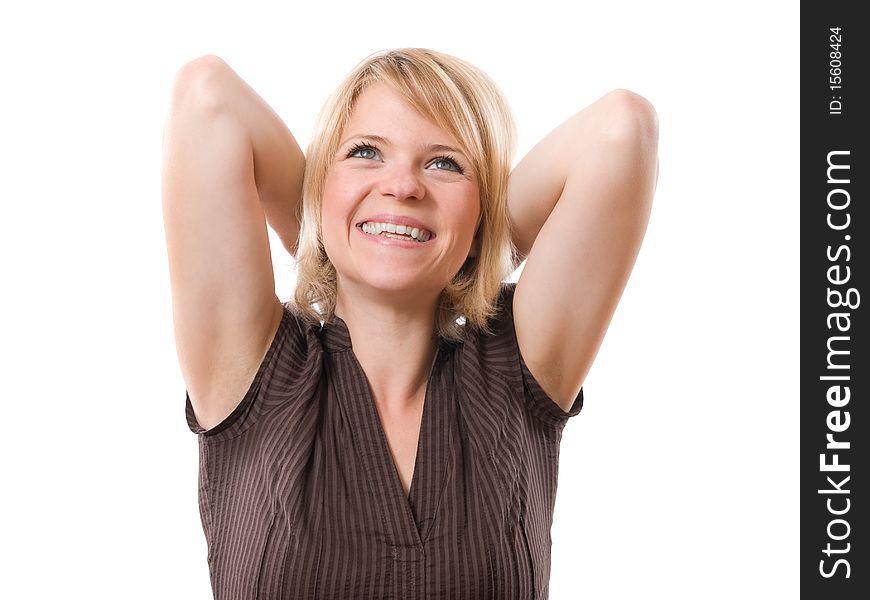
(383, 140)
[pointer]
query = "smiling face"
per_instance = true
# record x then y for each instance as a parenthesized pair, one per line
(395, 166)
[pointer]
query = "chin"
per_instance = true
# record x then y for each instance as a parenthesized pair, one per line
(394, 282)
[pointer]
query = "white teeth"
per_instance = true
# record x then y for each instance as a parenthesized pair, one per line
(401, 231)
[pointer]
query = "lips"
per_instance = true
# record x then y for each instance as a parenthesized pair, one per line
(398, 220)
(384, 236)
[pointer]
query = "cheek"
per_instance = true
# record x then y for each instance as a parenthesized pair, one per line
(335, 217)
(331, 203)
(473, 213)
(338, 195)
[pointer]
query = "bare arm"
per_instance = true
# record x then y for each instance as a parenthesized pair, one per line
(279, 164)
(579, 204)
(224, 151)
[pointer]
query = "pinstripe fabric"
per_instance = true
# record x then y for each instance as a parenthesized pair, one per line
(300, 498)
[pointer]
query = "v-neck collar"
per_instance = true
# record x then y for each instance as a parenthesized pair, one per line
(334, 335)
(436, 429)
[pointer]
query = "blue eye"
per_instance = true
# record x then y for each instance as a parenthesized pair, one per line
(449, 161)
(363, 150)
(358, 149)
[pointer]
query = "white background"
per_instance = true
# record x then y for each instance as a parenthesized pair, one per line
(680, 477)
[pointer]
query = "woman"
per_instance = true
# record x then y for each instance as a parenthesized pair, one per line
(394, 431)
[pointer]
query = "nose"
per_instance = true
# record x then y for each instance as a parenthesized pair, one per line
(402, 181)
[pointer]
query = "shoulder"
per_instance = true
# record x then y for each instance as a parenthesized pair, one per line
(289, 360)
(493, 363)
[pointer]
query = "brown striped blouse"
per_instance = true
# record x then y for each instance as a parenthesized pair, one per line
(300, 498)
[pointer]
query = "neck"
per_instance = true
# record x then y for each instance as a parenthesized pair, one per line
(393, 338)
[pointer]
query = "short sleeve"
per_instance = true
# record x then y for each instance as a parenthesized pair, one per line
(502, 351)
(284, 361)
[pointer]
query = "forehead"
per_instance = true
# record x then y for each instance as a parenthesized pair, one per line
(382, 111)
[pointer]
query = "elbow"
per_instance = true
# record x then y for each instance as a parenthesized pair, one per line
(627, 134)
(197, 83)
(203, 63)
(631, 130)
(629, 118)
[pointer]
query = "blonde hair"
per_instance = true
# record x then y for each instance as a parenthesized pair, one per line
(463, 101)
